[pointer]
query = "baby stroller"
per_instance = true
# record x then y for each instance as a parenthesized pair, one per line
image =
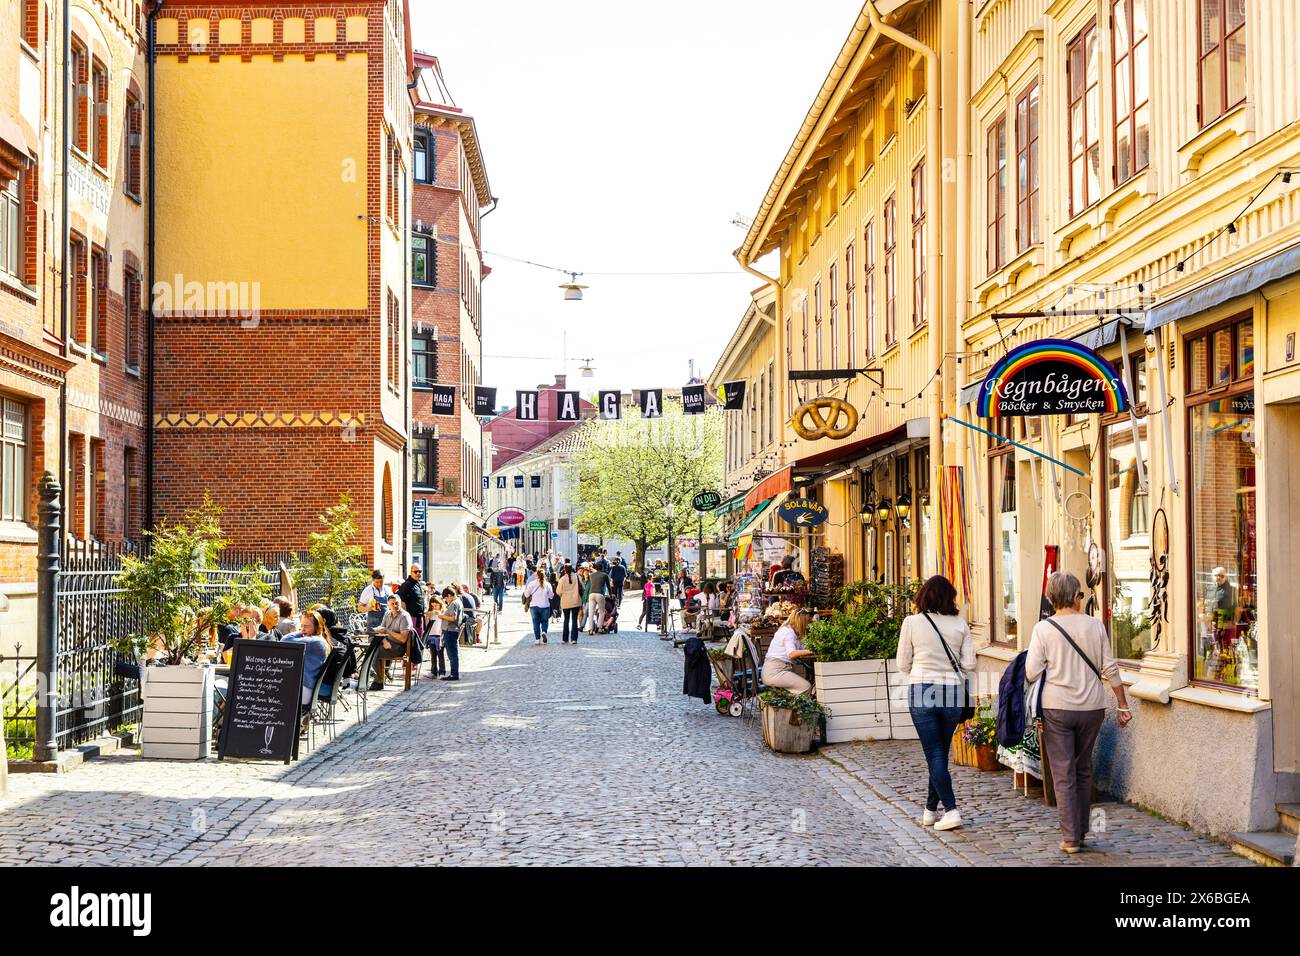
(610, 623)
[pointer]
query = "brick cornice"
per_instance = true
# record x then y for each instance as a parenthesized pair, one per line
(32, 361)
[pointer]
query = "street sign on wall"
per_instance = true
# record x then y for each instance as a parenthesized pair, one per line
(537, 526)
(706, 501)
(419, 514)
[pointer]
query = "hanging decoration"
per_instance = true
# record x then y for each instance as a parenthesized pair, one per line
(953, 557)
(824, 415)
(693, 399)
(610, 409)
(1078, 512)
(732, 396)
(1159, 575)
(485, 400)
(1051, 377)
(526, 406)
(442, 399)
(652, 403)
(567, 405)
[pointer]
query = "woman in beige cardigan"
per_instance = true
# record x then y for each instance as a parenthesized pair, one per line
(569, 591)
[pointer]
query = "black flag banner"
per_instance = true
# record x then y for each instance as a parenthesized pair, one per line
(443, 399)
(485, 400)
(610, 410)
(526, 406)
(652, 402)
(566, 406)
(733, 396)
(693, 399)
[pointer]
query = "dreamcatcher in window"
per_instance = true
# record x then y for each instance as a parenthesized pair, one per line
(1159, 575)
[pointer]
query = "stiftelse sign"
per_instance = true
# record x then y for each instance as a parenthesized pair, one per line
(511, 517)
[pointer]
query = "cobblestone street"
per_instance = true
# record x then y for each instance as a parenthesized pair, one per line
(553, 755)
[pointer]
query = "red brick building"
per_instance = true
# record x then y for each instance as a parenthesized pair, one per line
(450, 189)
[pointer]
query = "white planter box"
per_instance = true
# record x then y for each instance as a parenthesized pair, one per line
(867, 699)
(177, 721)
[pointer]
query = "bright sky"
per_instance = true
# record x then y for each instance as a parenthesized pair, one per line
(625, 138)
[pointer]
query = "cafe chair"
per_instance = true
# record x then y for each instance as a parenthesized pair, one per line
(364, 676)
(329, 692)
(309, 713)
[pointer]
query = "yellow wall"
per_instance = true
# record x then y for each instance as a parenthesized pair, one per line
(262, 177)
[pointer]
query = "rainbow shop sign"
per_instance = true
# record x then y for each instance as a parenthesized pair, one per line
(1051, 377)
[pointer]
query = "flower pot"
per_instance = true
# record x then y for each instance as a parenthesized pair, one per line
(782, 734)
(857, 694)
(986, 757)
(177, 719)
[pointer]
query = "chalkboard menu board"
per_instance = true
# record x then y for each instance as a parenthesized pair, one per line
(263, 701)
(655, 610)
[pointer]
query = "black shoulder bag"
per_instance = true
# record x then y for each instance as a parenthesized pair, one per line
(1078, 650)
(968, 708)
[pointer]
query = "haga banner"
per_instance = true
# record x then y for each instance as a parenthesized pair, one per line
(652, 402)
(485, 400)
(610, 410)
(1051, 377)
(526, 406)
(732, 396)
(693, 399)
(566, 406)
(535, 481)
(519, 481)
(443, 398)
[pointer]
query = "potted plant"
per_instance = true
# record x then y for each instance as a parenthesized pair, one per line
(790, 721)
(976, 744)
(164, 592)
(855, 650)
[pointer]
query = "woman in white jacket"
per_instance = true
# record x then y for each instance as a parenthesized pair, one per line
(936, 651)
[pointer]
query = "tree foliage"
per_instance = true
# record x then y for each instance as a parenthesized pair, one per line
(628, 471)
(177, 591)
(333, 562)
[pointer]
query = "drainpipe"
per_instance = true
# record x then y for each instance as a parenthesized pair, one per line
(66, 245)
(962, 265)
(150, 267)
(934, 195)
(782, 391)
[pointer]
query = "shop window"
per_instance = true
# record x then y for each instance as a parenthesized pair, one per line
(13, 455)
(1222, 55)
(1130, 47)
(996, 200)
(1028, 229)
(1084, 118)
(1006, 535)
(1127, 543)
(927, 560)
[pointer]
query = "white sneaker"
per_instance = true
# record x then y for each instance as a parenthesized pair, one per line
(951, 821)
(537, 641)
(928, 818)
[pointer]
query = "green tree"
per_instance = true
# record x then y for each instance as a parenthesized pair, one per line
(333, 562)
(628, 471)
(167, 587)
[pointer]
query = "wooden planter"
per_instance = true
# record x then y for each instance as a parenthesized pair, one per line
(783, 735)
(964, 755)
(177, 721)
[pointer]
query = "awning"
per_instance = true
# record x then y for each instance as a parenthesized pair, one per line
(728, 506)
(1107, 333)
(757, 515)
(489, 537)
(968, 393)
(770, 487)
(1280, 265)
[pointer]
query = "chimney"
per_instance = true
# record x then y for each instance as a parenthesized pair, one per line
(560, 381)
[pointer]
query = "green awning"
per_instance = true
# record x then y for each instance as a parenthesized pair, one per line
(754, 516)
(730, 505)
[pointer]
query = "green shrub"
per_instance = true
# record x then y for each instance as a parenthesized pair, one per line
(867, 628)
(806, 708)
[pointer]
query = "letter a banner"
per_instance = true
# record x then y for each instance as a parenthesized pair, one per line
(610, 410)
(526, 406)
(652, 403)
(566, 407)
(732, 396)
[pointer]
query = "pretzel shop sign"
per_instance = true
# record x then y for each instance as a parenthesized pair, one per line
(1051, 377)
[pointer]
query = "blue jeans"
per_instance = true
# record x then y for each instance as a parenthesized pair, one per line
(451, 645)
(541, 621)
(499, 595)
(571, 630)
(936, 712)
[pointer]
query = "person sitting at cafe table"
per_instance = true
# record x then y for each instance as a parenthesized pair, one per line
(392, 633)
(315, 637)
(787, 648)
(270, 620)
(286, 623)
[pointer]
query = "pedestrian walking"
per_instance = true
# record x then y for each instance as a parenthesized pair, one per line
(597, 587)
(452, 616)
(569, 591)
(1071, 652)
(538, 596)
(937, 653)
(617, 578)
(647, 592)
(498, 584)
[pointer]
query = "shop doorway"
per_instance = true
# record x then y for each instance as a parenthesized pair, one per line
(1282, 599)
